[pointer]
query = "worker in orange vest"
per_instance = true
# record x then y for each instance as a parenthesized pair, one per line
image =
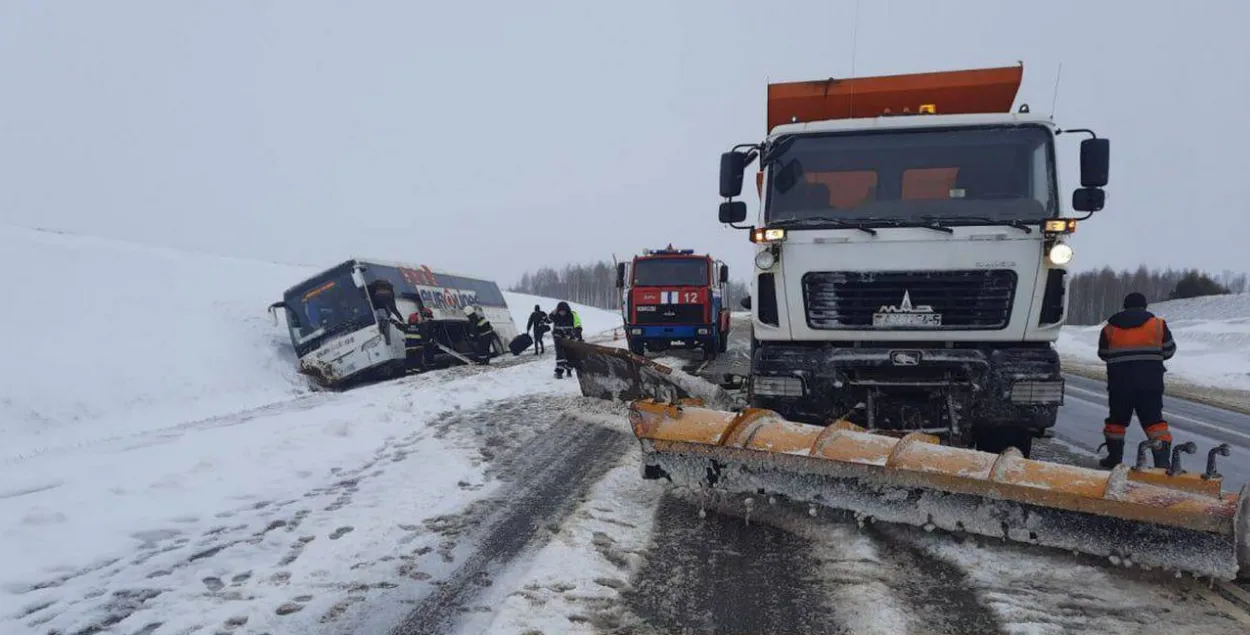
(1134, 344)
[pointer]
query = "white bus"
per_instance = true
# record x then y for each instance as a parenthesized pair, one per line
(337, 332)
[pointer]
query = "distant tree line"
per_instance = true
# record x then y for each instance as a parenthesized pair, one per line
(595, 285)
(1094, 295)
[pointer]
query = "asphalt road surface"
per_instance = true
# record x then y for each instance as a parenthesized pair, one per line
(1085, 408)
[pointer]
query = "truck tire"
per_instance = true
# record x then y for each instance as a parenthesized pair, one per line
(997, 439)
(636, 346)
(724, 342)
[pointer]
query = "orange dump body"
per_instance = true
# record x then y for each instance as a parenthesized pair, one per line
(988, 90)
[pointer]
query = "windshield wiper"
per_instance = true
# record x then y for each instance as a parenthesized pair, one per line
(937, 222)
(1013, 222)
(821, 222)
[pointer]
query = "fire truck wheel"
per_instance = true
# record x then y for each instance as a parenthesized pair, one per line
(636, 347)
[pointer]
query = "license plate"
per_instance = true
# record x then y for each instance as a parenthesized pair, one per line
(907, 319)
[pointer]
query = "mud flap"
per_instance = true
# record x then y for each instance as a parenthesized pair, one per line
(1131, 517)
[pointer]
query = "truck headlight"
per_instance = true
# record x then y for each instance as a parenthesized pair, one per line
(765, 259)
(1060, 254)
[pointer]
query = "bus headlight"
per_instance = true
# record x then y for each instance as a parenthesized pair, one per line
(1060, 254)
(765, 259)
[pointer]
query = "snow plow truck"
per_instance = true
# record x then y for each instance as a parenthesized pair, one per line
(673, 297)
(910, 282)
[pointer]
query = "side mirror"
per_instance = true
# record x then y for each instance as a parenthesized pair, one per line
(745, 302)
(724, 274)
(733, 212)
(1089, 199)
(732, 165)
(1095, 162)
(620, 275)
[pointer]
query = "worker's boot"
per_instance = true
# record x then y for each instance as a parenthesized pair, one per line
(1115, 454)
(1163, 455)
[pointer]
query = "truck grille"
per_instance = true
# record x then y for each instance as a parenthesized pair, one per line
(912, 300)
(671, 314)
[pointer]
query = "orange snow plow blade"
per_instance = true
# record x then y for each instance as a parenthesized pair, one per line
(1180, 522)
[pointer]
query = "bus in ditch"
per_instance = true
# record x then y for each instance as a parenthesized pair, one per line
(341, 337)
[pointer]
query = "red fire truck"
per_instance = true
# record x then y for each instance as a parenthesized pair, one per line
(672, 297)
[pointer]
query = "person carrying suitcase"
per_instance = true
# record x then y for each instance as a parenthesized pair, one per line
(538, 325)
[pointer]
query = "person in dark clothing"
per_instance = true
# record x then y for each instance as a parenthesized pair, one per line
(428, 340)
(538, 326)
(562, 329)
(414, 343)
(382, 295)
(1134, 344)
(482, 332)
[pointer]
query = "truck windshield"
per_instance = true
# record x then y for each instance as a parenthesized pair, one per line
(999, 174)
(324, 306)
(670, 272)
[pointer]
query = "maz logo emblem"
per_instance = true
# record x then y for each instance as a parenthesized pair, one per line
(905, 358)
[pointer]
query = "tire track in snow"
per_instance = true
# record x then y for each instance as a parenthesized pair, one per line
(940, 595)
(554, 473)
(721, 574)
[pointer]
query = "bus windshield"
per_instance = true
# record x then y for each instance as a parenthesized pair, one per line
(671, 272)
(326, 305)
(1003, 174)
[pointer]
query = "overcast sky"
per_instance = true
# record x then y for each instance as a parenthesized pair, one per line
(496, 137)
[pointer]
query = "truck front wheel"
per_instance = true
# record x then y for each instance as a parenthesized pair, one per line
(996, 440)
(636, 346)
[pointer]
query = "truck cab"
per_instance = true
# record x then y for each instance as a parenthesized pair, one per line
(674, 298)
(911, 254)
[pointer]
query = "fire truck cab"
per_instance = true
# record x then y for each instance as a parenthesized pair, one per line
(674, 298)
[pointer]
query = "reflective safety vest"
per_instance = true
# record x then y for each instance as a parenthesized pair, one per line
(1143, 343)
(481, 326)
(577, 320)
(412, 338)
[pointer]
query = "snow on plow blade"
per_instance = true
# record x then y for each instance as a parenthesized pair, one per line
(1146, 517)
(616, 374)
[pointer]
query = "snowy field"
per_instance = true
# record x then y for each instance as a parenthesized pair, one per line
(1212, 337)
(160, 453)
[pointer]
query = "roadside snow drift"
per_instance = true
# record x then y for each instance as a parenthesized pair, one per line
(107, 337)
(1212, 338)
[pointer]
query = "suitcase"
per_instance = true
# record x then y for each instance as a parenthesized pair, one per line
(520, 343)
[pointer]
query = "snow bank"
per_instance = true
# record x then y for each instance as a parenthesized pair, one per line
(104, 335)
(1212, 336)
(110, 338)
